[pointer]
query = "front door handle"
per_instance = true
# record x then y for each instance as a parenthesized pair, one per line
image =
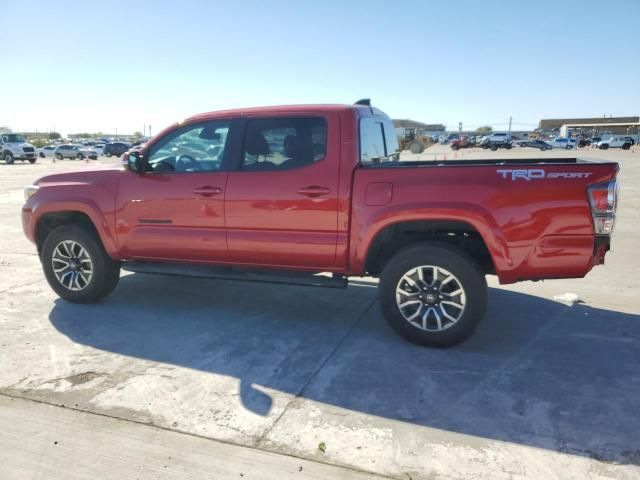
(314, 191)
(207, 191)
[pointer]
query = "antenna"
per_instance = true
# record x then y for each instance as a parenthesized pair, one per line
(364, 101)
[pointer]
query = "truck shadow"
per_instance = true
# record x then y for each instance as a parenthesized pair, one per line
(537, 372)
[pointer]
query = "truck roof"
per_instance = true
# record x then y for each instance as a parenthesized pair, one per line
(280, 109)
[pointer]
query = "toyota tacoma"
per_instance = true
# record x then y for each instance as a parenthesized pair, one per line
(314, 194)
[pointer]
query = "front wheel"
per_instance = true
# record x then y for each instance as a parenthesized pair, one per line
(58, 156)
(8, 158)
(76, 265)
(32, 160)
(433, 294)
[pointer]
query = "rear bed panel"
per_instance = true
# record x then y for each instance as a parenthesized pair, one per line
(533, 216)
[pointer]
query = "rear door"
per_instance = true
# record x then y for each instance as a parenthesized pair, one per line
(281, 202)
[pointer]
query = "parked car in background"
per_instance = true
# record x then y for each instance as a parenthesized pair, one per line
(115, 148)
(497, 140)
(562, 142)
(539, 144)
(14, 146)
(75, 152)
(48, 151)
(624, 143)
(462, 142)
(99, 148)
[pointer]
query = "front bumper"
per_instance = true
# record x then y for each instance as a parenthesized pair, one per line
(27, 214)
(24, 155)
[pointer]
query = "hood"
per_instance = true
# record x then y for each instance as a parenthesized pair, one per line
(95, 175)
(18, 144)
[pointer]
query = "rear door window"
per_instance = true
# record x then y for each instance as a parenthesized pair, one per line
(284, 143)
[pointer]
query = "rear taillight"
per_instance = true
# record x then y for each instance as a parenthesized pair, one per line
(603, 198)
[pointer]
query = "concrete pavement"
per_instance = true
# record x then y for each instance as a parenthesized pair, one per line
(543, 390)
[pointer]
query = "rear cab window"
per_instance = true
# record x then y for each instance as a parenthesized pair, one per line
(378, 141)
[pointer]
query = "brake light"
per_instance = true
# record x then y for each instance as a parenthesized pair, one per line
(603, 199)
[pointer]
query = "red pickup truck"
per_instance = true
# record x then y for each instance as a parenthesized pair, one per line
(313, 194)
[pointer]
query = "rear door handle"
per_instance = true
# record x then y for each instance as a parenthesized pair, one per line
(314, 191)
(207, 191)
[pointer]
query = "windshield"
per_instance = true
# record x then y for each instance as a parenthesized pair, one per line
(13, 138)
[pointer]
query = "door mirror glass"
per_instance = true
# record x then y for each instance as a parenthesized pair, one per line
(136, 162)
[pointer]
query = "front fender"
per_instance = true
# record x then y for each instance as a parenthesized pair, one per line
(103, 222)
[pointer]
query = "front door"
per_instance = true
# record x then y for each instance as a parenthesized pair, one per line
(175, 210)
(281, 204)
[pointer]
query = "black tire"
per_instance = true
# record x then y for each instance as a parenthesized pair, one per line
(446, 257)
(604, 146)
(106, 272)
(41, 155)
(8, 158)
(493, 148)
(80, 156)
(414, 147)
(32, 160)
(626, 146)
(58, 156)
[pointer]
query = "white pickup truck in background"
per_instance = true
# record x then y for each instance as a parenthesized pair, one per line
(622, 142)
(14, 146)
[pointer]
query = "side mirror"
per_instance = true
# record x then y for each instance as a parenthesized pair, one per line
(136, 162)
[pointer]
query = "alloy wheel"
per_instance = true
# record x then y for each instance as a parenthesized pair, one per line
(430, 298)
(72, 265)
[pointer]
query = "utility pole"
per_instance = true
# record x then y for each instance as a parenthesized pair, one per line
(460, 127)
(149, 130)
(510, 126)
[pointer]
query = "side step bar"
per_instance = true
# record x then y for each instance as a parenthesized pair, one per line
(230, 273)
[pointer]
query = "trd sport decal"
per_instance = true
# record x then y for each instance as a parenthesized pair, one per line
(538, 174)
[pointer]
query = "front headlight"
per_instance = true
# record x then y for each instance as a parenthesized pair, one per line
(30, 191)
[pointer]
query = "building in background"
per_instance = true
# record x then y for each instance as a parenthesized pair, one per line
(598, 126)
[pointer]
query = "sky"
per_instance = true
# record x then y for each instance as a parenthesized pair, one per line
(100, 66)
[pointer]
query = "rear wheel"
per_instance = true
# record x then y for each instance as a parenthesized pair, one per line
(433, 294)
(76, 265)
(604, 146)
(493, 148)
(626, 146)
(32, 160)
(80, 156)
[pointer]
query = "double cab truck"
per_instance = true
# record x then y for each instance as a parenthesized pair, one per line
(314, 194)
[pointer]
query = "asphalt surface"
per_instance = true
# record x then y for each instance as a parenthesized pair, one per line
(545, 389)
